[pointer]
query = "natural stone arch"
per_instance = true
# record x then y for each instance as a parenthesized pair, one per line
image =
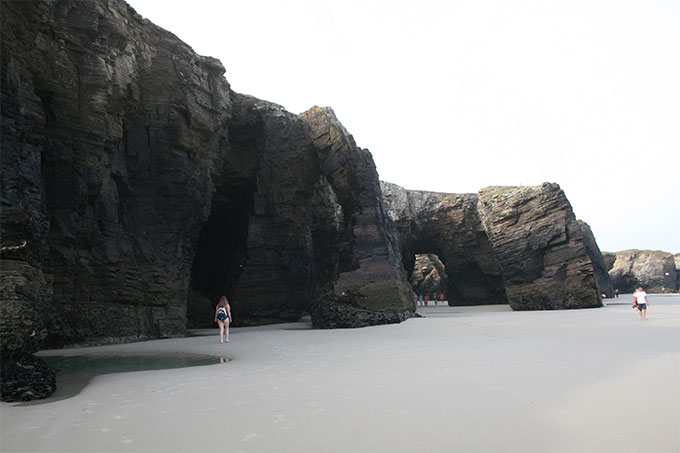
(448, 225)
(428, 276)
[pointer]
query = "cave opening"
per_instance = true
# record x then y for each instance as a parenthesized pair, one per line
(220, 254)
(429, 279)
(468, 272)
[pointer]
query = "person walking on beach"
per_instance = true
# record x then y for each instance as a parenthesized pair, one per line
(223, 318)
(641, 302)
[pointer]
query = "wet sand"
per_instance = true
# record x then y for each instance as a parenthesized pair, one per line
(459, 379)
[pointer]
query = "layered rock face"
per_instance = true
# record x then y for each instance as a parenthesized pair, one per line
(137, 188)
(540, 246)
(604, 283)
(520, 246)
(449, 226)
(654, 270)
(118, 119)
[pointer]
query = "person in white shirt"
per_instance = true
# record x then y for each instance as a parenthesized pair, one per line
(641, 301)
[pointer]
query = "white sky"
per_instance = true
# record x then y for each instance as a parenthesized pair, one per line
(457, 95)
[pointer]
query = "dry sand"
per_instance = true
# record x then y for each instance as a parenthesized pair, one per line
(461, 379)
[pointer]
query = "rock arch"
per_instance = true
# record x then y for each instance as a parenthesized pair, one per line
(449, 226)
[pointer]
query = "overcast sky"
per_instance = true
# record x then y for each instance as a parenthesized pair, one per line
(453, 96)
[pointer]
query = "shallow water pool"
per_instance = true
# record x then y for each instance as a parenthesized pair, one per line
(74, 372)
(124, 363)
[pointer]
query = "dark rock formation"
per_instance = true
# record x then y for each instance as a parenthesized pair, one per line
(521, 246)
(651, 269)
(27, 379)
(609, 259)
(137, 188)
(342, 312)
(604, 283)
(449, 226)
(429, 276)
(540, 246)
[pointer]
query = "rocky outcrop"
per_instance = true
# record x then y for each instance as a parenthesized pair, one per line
(137, 187)
(26, 379)
(521, 246)
(540, 246)
(654, 270)
(604, 283)
(609, 259)
(448, 225)
(429, 276)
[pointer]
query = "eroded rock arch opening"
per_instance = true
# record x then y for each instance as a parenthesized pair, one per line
(221, 249)
(428, 277)
(467, 277)
(220, 254)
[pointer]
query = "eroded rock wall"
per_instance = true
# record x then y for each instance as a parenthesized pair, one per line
(449, 226)
(604, 283)
(514, 245)
(126, 127)
(654, 270)
(540, 246)
(137, 187)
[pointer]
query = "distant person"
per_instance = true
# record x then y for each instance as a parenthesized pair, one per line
(223, 318)
(427, 299)
(420, 299)
(616, 293)
(641, 301)
(441, 298)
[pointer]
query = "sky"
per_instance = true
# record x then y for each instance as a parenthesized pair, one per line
(453, 96)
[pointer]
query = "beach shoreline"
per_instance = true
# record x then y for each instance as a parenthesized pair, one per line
(457, 379)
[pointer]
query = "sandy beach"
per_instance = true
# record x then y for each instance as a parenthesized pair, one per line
(478, 379)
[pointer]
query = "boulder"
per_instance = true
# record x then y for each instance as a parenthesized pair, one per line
(26, 379)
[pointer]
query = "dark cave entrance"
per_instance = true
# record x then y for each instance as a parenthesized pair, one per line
(220, 254)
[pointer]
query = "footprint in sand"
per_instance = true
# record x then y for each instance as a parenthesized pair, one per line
(249, 437)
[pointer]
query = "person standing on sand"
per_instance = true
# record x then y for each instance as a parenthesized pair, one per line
(641, 301)
(223, 318)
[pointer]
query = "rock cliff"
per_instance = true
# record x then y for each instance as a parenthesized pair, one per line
(137, 187)
(540, 246)
(604, 283)
(654, 270)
